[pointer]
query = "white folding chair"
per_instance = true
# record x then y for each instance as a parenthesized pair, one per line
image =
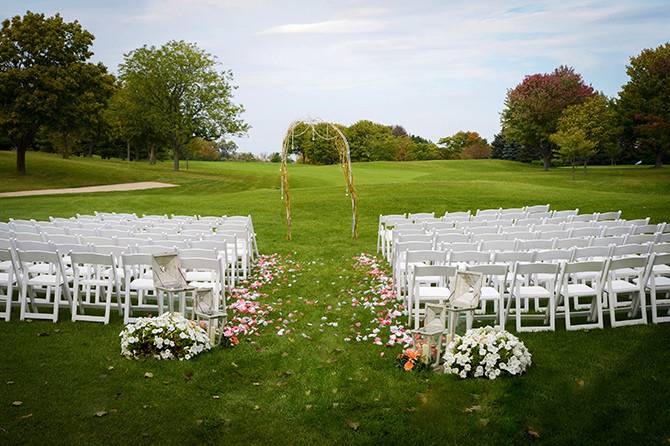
(94, 284)
(603, 216)
(565, 213)
(494, 279)
(138, 278)
(571, 289)
(30, 282)
(623, 283)
(658, 282)
(206, 273)
(526, 288)
(423, 291)
(463, 298)
(7, 282)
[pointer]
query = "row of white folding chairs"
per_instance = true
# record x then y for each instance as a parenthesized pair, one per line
(523, 241)
(561, 284)
(244, 244)
(412, 253)
(389, 223)
(96, 278)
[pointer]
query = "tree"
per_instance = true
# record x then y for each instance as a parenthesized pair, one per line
(370, 141)
(452, 147)
(179, 90)
(41, 59)
(202, 149)
(644, 101)
(476, 151)
(573, 146)
(598, 120)
(533, 107)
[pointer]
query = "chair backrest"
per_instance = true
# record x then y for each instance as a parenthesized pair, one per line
(66, 248)
(203, 263)
(5, 255)
(536, 268)
(28, 228)
(27, 236)
(444, 272)
(529, 222)
(584, 217)
(557, 220)
(661, 248)
(586, 266)
(565, 213)
(420, 215)
(487, 237)
(591, 252)
(29, 245)
(30, 256)
(116, 251)
(132, 260)
(572, 243)
(612, 215)
(608, 224)
(113, 233)
(84, 232)
(507, 211)
(155, 249)
(457, 214)
(400, 238)
(534, 245)
(60, 238)
(490, 269)
(617, 231)
(638, 263)
(638, 222)
(131, 241)
(429, 257)
(488, 212)
(483, 230)
(511, 257)
(642, 238)
(498, 245)
(438, 225)
(201, 253)
(606, 241)
(536, 208)
(460, 246)
(89, 258)
(54, 230)
(563, 234)
(631, 249)
(554, 255)
(549, 227)
(587, 232)
(469, 257)
(647, 229)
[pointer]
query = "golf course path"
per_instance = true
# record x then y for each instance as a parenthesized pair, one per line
(89, 189)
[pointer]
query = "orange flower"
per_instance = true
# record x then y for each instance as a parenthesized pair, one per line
(409, 365)
(411, 354)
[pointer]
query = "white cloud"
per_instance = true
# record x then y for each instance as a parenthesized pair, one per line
(343, 26)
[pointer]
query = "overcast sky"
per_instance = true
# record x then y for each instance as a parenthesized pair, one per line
(434, 67)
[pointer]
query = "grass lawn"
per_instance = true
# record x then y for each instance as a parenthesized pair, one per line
(605, 386)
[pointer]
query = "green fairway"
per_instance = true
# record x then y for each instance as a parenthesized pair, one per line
(606, 386)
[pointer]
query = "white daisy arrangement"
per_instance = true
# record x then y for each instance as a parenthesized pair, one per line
(486, 352)
(169, 336)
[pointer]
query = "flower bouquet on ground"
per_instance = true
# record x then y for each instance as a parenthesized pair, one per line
(412, 359)
(169, 336)
(486, 352)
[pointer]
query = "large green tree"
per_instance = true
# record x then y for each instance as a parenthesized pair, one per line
(644, 101)
(45, 78)
(533, 107)
(598, 119)
(573, 146)
(182, 94)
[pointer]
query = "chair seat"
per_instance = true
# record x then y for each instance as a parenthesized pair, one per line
(4, 266)
(45, 280)
(40, 268)
(201, 284)
(533, 291)
(626, 272)
(432, 293)
(489, 293)
(662, 269)
(578, 290)
(96, 282)
(142, 284)
(660, 283)
(205, 276)
(623, 286)
(586, 275)
(4, 278)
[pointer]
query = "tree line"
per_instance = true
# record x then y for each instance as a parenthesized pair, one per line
(174, 101)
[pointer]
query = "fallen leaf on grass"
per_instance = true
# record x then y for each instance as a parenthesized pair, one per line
(9, 383)
(215, 397)
(308, 406)
(353, 424)
(111, 367)
(476, 408)
(257, 407)
(422, 397)
(42, 334)
(532, 433)
(483, 422)
(410, 409)
(17, 403)
(148, 375)
(100, 413)
(24, 417)
(256, 384)
(188, 375)
(580, 382)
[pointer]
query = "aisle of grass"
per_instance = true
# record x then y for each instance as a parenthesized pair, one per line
(608, 386)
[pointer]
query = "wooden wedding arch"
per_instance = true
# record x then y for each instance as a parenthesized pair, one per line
(330, 133)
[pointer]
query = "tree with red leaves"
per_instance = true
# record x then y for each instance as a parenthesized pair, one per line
(533, 107)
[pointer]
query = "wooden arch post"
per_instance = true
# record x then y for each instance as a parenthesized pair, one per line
(342, 146)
